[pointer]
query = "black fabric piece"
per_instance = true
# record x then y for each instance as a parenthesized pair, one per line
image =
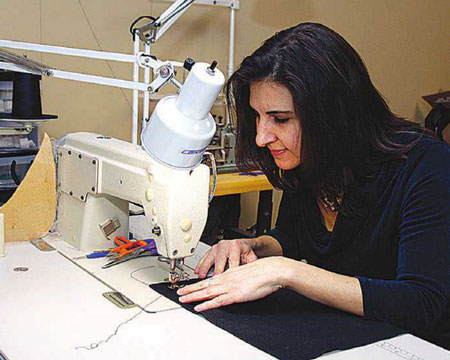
(288, 325)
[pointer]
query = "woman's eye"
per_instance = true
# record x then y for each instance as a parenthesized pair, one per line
(281, 120)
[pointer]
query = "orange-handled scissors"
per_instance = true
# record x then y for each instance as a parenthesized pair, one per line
(126, 246)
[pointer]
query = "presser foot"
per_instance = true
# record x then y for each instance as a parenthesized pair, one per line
(177, 273)
(174, 278)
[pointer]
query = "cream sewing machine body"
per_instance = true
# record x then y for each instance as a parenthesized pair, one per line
(99, 176)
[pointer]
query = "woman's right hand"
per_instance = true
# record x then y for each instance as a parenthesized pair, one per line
(235, 252)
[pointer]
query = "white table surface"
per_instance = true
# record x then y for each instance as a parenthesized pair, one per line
(56, 310)
(55, 307)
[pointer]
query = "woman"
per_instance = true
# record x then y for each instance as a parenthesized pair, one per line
(363, 224)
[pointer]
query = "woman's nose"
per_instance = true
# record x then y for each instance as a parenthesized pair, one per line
(264, 133)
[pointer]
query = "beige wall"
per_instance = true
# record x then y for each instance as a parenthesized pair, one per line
(403, 42)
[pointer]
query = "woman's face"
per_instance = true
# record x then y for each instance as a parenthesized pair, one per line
(277, 125)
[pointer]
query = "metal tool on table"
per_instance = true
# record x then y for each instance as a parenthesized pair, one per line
(126, 246)
(128, 250)
(125, 250)
(93, 255)
(133, 255)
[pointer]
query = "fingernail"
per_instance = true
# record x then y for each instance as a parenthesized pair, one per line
(198, 308)
(181, 299)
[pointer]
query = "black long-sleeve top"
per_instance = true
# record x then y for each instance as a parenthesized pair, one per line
(398, 245)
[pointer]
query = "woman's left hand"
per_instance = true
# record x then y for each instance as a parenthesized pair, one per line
(240, 284)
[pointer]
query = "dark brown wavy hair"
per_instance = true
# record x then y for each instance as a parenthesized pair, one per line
(347, 126)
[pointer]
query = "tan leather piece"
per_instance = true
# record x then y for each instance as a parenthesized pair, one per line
(30, 212)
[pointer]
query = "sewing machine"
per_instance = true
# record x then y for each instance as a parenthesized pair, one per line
(99, 176)
(223, 146)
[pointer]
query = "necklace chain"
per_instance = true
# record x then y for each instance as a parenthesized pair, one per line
(328, 204)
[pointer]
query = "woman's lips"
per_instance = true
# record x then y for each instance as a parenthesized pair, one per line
(277, 153)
